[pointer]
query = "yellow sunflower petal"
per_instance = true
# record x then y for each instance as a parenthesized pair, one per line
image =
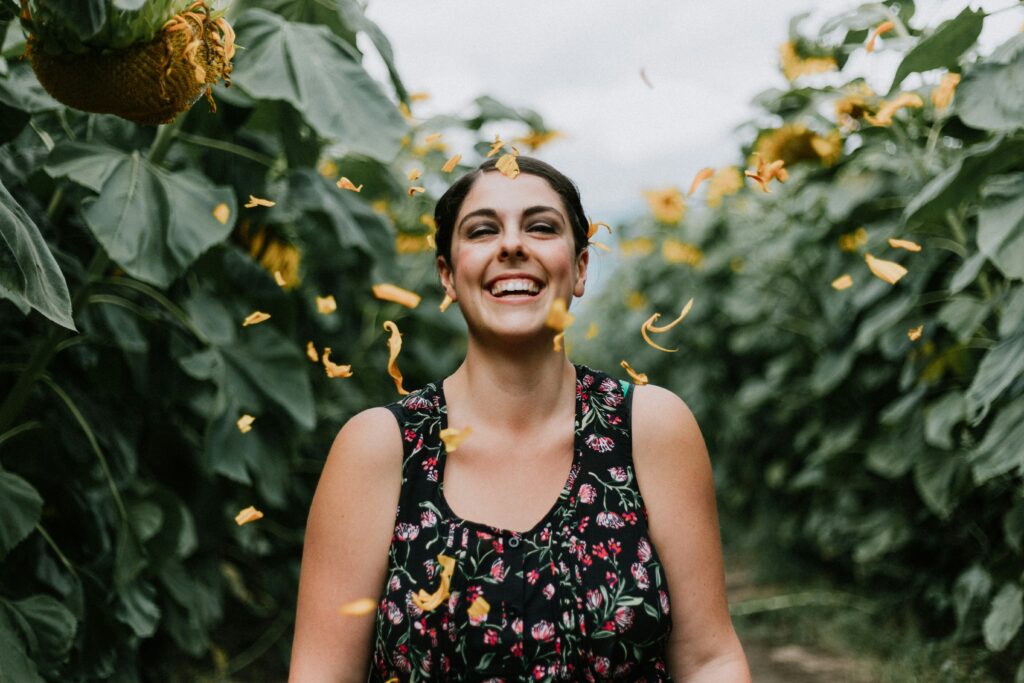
(702, 175)
(332, 369)
(358, 608)
(914, 333)
(479, 609)
(222, 212)
(415, 190)
(279, 279)
(559, 318)
(842, 282)
(452, 437)
(256, 201)
(557, 341)
(445, 303)
(414, 174)
(389, 292)
(255, 318)
(593, 227)
(682, 314)
(495, 146)
(346, 184)
(249, 514)
(430, 601)
(449, 165)
(326, 304)
(890, 271)
(311, 352)
(394, 347)
(640, 378)
(904, 244)
(508, 165)
(643, 332)
(244, 423)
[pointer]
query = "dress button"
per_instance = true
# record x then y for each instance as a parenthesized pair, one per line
(513, 542)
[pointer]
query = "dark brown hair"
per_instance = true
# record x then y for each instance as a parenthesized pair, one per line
(447, 209)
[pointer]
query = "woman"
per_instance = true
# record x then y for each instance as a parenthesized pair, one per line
(499, 565)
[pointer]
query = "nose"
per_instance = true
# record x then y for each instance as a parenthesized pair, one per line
(512, 242)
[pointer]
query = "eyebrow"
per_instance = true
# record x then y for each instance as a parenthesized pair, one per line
(491, 213)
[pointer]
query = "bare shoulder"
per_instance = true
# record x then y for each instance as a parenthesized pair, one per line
(370, 437)
(665, 430)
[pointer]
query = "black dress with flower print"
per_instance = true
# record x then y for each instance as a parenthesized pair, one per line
(580, 597)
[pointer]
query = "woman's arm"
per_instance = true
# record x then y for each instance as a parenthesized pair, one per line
(345, 554)
(674, 474)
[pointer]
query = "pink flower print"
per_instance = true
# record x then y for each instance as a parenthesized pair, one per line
(394, 613)
(394, 583)
(474, 592)
(612, 400)
(517, 626)
(602, 665)
(549, 591)
(432, 475)
(538, 672)
(583, 524)
(643, 550)
(610, 520)
(663, 597)
(586, 408)
(629, 517)
(410, 607)
(614, 420)
(611, 579)
(453, 601)
(545, 534)
(498, 544)
(517, 649)
(624, 618)
(601, 444)
(406, 532)
(416, 402)
(543, 631)
(532, 576)
(490, 637)
(639, 572)
(588, 494)
(608, 385)
(587, 380)
(618, 474)
(594, 599)
(599, 551)
(498, 570)
(402, 663)
(427, 519)
(409, 434)
(614, 547)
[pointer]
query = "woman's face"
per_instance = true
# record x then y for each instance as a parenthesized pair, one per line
(509, 227)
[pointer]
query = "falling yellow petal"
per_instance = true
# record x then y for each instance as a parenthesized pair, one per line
(346, 184)
(682, 314)
(904, 244)
(388, 292)
(445, 303)
(249, 514)
(702, 175)
(394, 347)
(430, 601)
(449, 165)
(245, 423)
(432, 138)
(495, 146)
(557, 341)
(452, 437)
(640, 378)
(559, 318)
(256, 201)
(852, 241)
(222, 213)
(766, 172)
(326, 304)
(942, 94)
(508, 165)
(311, 352)
(842, 282)
(358, 608)
(592, 331)
(536, 139)
(254, 318)
(890, 271)
(414, 174)
(667, 204)
(884, 27)
(914, 333)
(601, 246)
(479, 609)
(279, 279)
(593, 227)
(332, 369)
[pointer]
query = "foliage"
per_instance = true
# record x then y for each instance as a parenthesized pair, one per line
(834, 434)
(129, 262)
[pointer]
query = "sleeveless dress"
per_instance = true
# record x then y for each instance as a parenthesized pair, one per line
(579, 597)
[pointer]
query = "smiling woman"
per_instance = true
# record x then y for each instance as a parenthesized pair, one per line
(495, 517)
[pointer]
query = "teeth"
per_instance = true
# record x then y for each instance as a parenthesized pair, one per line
(520, 286)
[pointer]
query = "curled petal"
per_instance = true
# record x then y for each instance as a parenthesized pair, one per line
(914, 333)
(346, 184)
(557, 341)
(559, 318)
(249, 514)
(640, 378)
(453, 437)
(311, 352)
(279, 279)
(332, 369)
(702, 175)
(394, 347)
(682, 314)
(508, 165)
(592, 229)
(643, 333)
(430, 601)
(415, 190)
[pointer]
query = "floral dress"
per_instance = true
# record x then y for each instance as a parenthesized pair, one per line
(579, 597)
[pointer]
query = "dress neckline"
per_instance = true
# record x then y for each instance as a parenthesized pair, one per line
(563, 495)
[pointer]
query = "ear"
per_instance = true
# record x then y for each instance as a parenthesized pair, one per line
(447, 278)
(581, 272)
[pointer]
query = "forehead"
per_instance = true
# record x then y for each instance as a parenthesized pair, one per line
(505, 195)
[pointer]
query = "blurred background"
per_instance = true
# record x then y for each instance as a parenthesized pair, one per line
(195, 279)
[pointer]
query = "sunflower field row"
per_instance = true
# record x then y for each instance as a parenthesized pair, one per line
(855, 347)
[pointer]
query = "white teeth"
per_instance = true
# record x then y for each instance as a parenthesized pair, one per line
(520, 286)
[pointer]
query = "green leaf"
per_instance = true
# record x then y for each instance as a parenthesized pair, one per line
(1012, 315)
(15, 664)
(960, 181)
(991, 94)
(20, 90)
(962, 316)
(1005, 617)
(1000, 451)
(136, 607)
(940, 417)
(20, 507)
(1001, 223)
(315, 71)
(86, 163)
(29, 275)
(943, 46)
(53, 627)
(1013, 526)
(971, 589)
(1000, 368)
(154, 223)
(934, 476)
